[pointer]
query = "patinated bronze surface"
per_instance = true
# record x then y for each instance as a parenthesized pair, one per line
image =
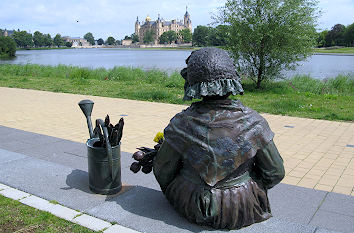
(210, 72)
(218, 158)
(103, 152)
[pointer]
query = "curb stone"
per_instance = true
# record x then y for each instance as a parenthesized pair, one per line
(118, 228)
(55, 209)
(63, 212)
(91, 222)
(2, 187)
(14, 194)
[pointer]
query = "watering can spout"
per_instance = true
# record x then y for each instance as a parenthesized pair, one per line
(86, 107)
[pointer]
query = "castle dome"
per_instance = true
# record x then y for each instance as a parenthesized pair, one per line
(148, 18)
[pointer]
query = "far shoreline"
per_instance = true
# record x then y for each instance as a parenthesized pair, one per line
(335, 54)
(347, 51)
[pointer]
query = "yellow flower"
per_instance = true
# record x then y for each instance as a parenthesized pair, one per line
(158, 137)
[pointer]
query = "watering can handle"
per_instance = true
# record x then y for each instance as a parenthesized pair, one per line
(108, 147)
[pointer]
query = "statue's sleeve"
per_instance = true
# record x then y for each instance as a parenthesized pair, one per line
(167, 164)
(268, 167)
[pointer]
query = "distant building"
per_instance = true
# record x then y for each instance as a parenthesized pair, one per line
(6, 32)
(77, 41)
(127, 42)
(160, 26)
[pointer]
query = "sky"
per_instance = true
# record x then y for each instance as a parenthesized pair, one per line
(104, 18)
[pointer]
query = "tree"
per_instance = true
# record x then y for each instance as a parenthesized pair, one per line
(218, 36)
(38, 39)
(100, 41)
(213, 39)
(58, 41)
(336, 35)
(321, 39)
(171, 36)
(168, 37)
(349, 35)
(163, 38)
(222, 33)
(110, 41)
(149, 37)
(89, 37)
(201, 36)
(135, 38)
(69, 44)
(269, 36)
(23, 39)
(185, 35)
(7, 46)
(47, 40)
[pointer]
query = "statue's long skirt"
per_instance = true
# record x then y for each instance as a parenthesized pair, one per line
(221, 208)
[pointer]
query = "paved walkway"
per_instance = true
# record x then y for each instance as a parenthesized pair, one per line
(44, 170)
(317, 154)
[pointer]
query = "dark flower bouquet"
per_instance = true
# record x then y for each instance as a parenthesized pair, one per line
(145, 156)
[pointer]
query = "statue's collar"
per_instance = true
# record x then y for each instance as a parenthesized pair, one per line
(224, 101)
(219, 103)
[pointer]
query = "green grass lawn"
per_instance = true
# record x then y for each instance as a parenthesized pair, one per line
(346, 50)
(17, 217)
(303, 96)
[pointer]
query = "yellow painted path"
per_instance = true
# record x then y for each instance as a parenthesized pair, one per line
(317, 153)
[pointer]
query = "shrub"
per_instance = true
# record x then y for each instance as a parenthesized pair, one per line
(7, 46)
(68, 44)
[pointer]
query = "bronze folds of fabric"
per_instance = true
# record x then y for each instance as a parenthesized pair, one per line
(217, 137)
(221, 208)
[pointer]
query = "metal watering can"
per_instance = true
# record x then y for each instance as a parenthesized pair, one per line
(104, 166)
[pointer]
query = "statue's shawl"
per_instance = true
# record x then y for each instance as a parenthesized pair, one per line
(216, 137)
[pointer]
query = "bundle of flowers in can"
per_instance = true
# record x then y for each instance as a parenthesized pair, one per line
(115, 132)
(145, 156)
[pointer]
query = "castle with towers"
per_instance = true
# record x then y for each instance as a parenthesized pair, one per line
(160, 26)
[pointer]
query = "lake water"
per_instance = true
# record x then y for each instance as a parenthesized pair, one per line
(317, 66)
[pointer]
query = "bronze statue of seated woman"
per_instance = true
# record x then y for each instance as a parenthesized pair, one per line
(218, 157)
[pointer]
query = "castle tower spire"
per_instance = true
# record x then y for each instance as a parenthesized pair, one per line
(186, 15)
(187, 20)
(137, 26)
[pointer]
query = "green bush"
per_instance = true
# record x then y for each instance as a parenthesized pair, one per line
(7, 47)
(125, 74)
(175, 81)
(69, 44)
(82, 73)
(340, 85)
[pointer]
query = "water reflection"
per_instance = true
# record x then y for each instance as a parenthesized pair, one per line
(317, 66)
